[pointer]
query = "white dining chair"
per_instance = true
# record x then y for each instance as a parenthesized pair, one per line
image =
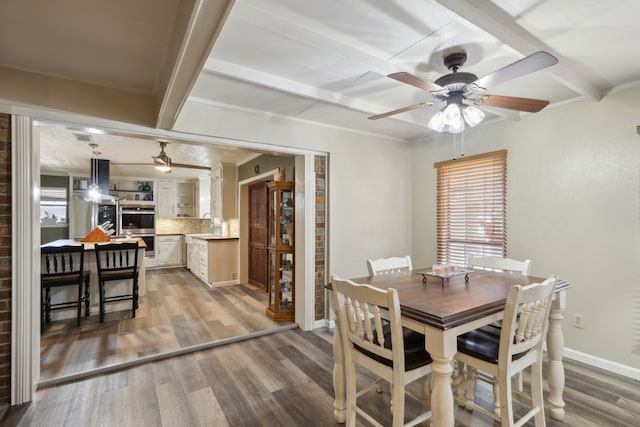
(496, 263)
(381, 346)
(516, 348)
(389, 265)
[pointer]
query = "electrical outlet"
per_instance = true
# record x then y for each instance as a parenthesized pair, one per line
(578, 321)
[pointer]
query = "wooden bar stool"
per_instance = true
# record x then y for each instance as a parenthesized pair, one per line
(63, 266)
(117, 262)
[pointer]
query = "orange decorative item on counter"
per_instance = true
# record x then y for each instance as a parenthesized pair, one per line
(96, 235)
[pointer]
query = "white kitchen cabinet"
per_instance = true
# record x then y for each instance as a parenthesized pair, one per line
(166, 198)
(175, 198)
(203, 260)
(185, 199)
(169, 250)
(192, 256)
(214, 261)
(224, 188)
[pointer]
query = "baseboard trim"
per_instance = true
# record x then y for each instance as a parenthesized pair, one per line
(155, 357)
(607, 365)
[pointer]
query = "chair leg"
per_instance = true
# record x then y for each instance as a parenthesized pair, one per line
(47, 305)
(102, 297)
(351, 399)
(87, 298)
(397, 394)
(537, 399)
(79, 303)
(504, 390)
(496, 398)
(135, 296)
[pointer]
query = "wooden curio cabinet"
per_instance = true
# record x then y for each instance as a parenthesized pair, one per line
(281, 251)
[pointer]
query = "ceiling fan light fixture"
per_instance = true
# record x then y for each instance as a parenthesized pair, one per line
(437, 122)
(452, 114)
(472, 115)
(456, 125)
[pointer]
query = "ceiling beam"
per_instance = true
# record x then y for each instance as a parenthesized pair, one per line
(270, 81)
(198, 25)
(490, 18)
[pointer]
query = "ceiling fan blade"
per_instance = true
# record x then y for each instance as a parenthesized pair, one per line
(183, 165)
(401, 110)
(521, 104)
(412, 80)
(529, 64)
(173, 165)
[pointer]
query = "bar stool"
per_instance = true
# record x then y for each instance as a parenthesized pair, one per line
(117, 262)
(63, 266)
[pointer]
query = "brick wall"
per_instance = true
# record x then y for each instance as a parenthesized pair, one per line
(5, 258)
(320, 245)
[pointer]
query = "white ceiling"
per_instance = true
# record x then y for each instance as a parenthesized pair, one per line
(320, 61)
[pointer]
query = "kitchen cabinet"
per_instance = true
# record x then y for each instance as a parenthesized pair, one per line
(213, 259)
(281, 277)
(175, 198)
(166, 198)
(192, 256)
(169, 250)
(224, 188)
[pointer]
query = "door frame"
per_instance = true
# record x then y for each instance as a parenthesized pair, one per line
(25, 334)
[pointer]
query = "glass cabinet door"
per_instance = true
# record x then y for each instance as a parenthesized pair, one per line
(281, 286)
(281, 251)
(281, 214)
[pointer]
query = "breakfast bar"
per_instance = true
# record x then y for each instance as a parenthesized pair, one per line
(67, 293)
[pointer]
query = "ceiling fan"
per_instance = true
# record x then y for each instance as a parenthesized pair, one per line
(461, 91)
(163, 163)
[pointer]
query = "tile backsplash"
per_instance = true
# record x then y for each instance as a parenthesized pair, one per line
(182, 225)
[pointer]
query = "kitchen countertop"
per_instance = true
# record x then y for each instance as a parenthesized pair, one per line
(209, 236)
(90, 246)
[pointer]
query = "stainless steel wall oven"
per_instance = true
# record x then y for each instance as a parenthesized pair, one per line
(140, 221)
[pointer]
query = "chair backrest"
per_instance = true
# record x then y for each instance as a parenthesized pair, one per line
(117, 257)
(499, 263)
(389, 265)
(62, 262)
(360, 313)
(526, 318)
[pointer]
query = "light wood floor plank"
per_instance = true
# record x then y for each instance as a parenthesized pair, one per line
(178, 311)
(283, 379)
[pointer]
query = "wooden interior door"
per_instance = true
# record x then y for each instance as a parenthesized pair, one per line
(258, 234)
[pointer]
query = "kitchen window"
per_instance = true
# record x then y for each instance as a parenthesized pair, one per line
(54, 207)
(471, 207)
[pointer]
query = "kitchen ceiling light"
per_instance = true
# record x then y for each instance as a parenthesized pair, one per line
(162, 162)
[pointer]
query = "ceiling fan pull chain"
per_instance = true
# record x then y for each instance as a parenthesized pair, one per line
(454, 146)
(462, 144)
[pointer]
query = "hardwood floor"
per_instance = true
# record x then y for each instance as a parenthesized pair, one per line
(284, 379)
(177, 313)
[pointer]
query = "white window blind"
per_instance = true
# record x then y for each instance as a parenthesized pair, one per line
(471, 204)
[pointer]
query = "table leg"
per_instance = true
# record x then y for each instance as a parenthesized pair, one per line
(555, 349)
(442, 409)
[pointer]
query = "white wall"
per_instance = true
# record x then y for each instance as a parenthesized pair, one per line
(572, 208)
(369, 178)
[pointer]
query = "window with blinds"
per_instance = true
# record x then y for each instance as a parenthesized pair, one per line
(471, 204)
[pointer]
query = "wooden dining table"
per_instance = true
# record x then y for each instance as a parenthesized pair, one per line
(443, 309)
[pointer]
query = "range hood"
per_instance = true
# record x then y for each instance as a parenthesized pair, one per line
(98, 189)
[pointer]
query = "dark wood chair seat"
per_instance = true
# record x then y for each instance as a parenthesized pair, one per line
(63, 266)
(117, 262)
